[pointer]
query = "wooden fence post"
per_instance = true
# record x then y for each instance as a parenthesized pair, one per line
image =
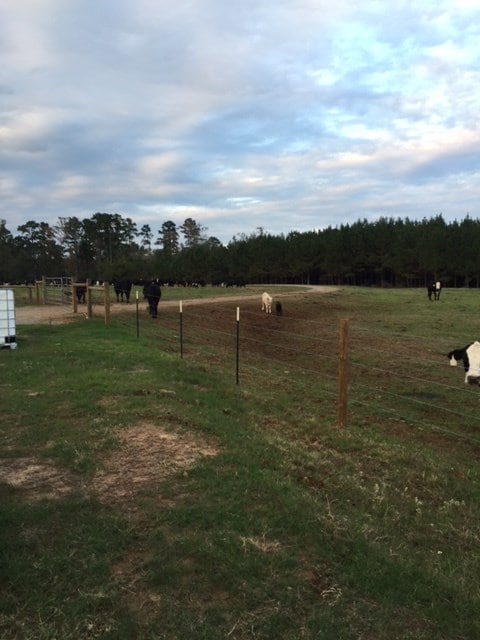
(74, 297)
(89, 303)
(41, 290)
(342, 375)
(106, 299)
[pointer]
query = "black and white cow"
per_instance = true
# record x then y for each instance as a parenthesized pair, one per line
(470, 356)
(122, 289)
(434, 289)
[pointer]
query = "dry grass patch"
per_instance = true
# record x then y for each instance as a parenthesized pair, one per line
(35, 479)
(147, 454)
(261, 544)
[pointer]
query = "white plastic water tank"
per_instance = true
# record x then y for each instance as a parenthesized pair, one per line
(7, 319)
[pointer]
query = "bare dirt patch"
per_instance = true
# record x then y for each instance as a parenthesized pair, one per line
(36, 479)
(54, 314)
(147, 455)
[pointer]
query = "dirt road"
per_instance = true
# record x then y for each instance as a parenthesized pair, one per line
(62, 314)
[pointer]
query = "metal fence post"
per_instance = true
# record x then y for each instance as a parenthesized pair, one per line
(181, 329)
(238, 346)
(342, 375)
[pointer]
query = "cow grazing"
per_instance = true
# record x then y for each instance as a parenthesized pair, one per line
(434, 289)
(470, 356)
(278, 308)
(122, 288)
(266, 302)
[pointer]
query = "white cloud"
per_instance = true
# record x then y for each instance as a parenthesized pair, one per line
(238, 114)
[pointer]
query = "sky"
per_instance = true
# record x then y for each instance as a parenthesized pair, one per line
(247, 116)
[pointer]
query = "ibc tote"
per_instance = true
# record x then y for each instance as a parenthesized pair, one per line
(7, 319)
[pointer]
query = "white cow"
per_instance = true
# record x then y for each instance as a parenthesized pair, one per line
(266, 302)
(470, 355)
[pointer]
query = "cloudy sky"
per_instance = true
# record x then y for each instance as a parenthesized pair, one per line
(280, 114)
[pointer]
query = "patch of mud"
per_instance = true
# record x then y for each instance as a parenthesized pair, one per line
(147, 455)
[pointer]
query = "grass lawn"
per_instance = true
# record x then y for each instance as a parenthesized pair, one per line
(145, 495)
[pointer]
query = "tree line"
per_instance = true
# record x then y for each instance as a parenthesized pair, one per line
(386, 252)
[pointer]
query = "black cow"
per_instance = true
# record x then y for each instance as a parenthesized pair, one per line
(152, 292)
(81, 292)
(235, 282)
(470, 356)
(122, 288)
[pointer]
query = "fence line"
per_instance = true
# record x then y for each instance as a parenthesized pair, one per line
(212, 336)
(289, 349)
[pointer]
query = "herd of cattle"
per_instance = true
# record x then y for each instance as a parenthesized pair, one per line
(123, 288)
(468, 355)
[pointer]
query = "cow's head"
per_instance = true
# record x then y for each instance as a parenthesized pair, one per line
(455, 356)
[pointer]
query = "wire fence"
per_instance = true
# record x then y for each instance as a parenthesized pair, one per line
(391, 380)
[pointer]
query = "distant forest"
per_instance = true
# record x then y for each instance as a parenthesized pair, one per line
(388, 252)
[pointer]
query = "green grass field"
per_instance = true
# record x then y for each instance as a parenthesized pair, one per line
(144, 495)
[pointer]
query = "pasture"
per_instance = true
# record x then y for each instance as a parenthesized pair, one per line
(148, 495)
